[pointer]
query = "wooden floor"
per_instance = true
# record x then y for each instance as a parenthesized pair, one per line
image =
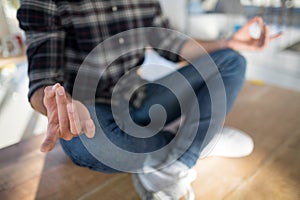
(270, 115)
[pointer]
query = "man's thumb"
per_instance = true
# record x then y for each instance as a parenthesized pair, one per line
(49, 142)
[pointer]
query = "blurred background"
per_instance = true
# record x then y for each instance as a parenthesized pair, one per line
(278, 65)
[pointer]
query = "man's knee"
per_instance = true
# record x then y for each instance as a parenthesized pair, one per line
(236, 59)
(80, 156)
(230, 62)
(240, 61)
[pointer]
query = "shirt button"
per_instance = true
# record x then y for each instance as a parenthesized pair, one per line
(121, 40)
(114, 8)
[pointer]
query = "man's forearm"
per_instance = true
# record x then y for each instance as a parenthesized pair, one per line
(192, 50)
(36, 101)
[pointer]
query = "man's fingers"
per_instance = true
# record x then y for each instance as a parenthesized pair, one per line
(266, 37)
(63, 118)
(254, 20)
(89, 128)
(68, 121)
(51, 138)
(49, 96)
(53, 128)
(49, 93)
(278, 35)
(262, 37)
(260, 23)
(74, 120)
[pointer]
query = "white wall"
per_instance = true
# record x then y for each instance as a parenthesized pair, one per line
(176, 11)
(4, 29)
(202, 26)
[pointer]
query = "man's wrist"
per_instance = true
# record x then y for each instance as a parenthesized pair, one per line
(225, 44)
(230, 44)
(36, 101)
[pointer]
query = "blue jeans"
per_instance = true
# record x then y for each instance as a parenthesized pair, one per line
(231, 66)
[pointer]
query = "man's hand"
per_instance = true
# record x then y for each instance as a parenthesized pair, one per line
(242, 40)
(67, 118)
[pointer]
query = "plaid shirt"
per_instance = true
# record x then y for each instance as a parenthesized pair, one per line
(60, 35)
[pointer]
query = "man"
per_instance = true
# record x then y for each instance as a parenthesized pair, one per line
(61, 34)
